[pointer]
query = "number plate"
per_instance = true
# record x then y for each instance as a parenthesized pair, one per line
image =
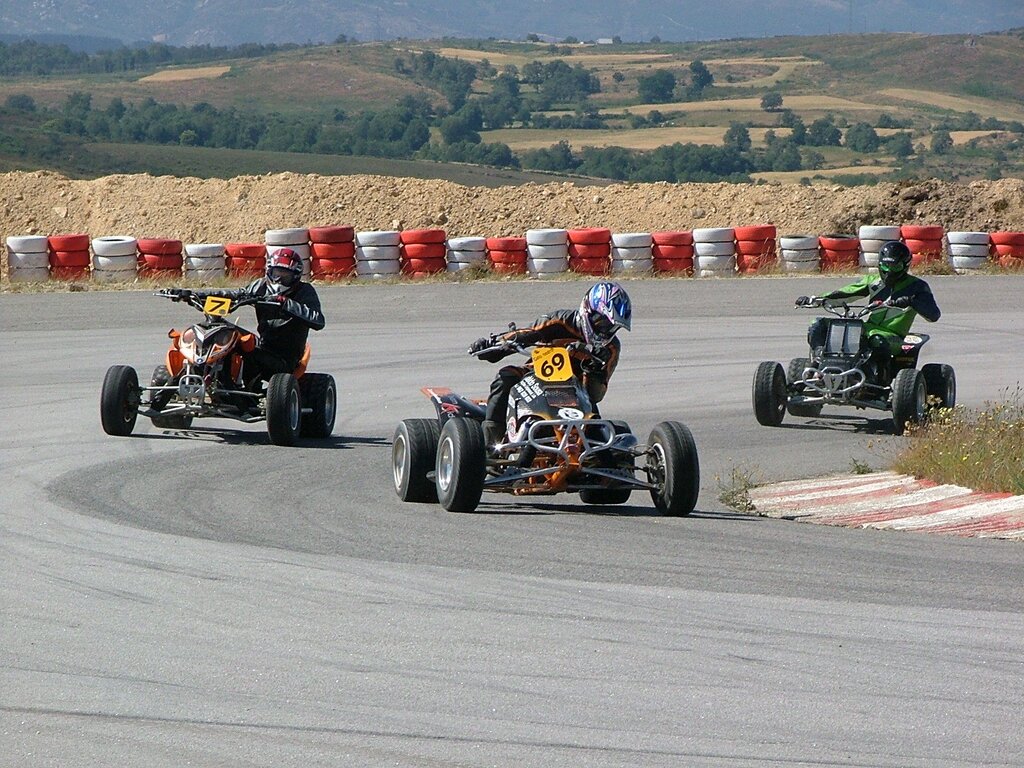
(217, 305)
(552, 364)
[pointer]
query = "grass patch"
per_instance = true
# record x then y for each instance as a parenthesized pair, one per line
(734, 488)
(982, 449)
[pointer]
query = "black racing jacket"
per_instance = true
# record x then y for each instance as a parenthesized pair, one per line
(282, 328)
(559, 328)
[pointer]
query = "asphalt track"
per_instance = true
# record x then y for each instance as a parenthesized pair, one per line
(204, 598)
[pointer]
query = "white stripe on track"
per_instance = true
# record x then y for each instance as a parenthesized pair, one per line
(959, 515)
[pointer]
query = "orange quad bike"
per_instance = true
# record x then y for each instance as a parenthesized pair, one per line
(555, 442)
(203, 378)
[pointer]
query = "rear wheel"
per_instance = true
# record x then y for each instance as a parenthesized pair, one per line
(673, 466)
(319, 394)
(162, 377)
(940, 381)
(794, 373)
(413, 455)
(909, 399)
(119, 400)
(461, 465)
(284, 409)
(769, 394)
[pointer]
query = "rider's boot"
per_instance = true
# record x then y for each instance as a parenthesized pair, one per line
(492, 434)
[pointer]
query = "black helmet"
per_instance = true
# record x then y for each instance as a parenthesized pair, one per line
(893, 260)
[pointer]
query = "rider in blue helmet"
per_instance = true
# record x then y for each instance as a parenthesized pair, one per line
(605, 309)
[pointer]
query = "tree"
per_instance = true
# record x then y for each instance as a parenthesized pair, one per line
(771, 101)
(20, 101)
(823, 133)
(700, 77)
(942, 142)
(618, 77)
(861, 137)
(657, 87)
(737, 137)
(900, 145)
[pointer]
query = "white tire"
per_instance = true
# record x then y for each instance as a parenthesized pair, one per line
(376, 238)
(206, 275)
(114, 263)
(810, 254)
(459, 266)
(716, 273)
(302, 249)
(377, 253)
(800, 266)
(113, 276)
(969, 263)
(631, 254)
(714, 248)
(715, 263)
(547, 237)
(290, 236)
(115, 245)
(204, 250)
(28, 260)
(554, 251)
(467, 244)
(466, 257)
(969, 250)
(191, 263)
(868, 259)
(714, 235)
(31, 275)
(872, 246)
(378, 267)
(884, 233)
(968, 238)
(546, 266)
(799, 243)
(632, 240)
(377, 276)
(633, 265)
(28, 243)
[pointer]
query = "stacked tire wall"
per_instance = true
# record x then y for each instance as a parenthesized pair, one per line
(378, 254)
(423, 252)
(714, 252)
(332, 252)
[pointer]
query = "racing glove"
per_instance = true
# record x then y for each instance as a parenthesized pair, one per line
(901, 302)
(179, 294)
(480, 344)
(802, 301)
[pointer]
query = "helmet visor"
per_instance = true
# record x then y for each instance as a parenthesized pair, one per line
(603, 327)
(282, 276)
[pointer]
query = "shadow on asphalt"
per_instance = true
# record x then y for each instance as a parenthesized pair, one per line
(239, 437)
(859, 425)
(623, 510)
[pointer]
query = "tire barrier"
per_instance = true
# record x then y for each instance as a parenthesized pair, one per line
(296, 238)
(423, 251)
(839, 252)
(672, 252)
(714, 251)
(378, 254)
(28, 258)
(466, 253)
(115, 259)
(204, 262)
(69, 257)
(160, 258)
(1008, 249)
(246, 259)
(800, 253)
(924, 242)
(547, 251)
(509, 255)
(968, 251)
(756, 248)
(872, 238)
(632, 253)
(332, 252)
(590, 250)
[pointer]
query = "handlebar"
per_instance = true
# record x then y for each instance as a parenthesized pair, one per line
(499, 345)
(198, 300)
(844, 309)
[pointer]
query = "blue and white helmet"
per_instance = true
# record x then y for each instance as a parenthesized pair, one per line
(605, 308)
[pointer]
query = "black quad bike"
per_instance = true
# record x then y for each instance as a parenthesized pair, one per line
(555, 443)
(202, 378)
(843, 372)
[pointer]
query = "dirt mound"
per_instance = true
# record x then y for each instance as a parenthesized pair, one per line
(242, 208)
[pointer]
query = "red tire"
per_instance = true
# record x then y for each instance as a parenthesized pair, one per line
(424, 250)
(69, 273)
(683, 237)
(423, 236)
(679, 266)
(70, 258)
(755, 247)
(159, 246)
(332, 267)
(1007, 238)
(590, 236)
(839, 243)
(343, 249)
(75, 242)
(756, 263)
(505, 243)
(147, 273)
(246, 250)
(672, 251)
(158, 262)
(507, 257)
(425, 266)
(590, 250)
(924, 246)
(1008, 251)
(507, 268)
(238, 265)
(757, 232)
(332, 234)
(921, 232)
(584, 266)
(838, 260)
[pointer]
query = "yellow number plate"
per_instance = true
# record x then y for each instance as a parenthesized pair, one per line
(217, 305)
(552, 363)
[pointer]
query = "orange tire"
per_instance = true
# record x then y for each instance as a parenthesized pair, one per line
(238, 265)
(343, 249)
(507, 257)
(160, 246)
(683, 266)
(755, 247)
(246, 250)
(585, 266)
(921, 232)
(332, 234)
(505, 243)
(838, 260)
(590, 250)
(924, 246)
(328, 267)
(423, 236)
(424, 266)
(507, 268)
(158, 262)
(839, 243)
(69, 273)
(75, 242)
(755, 263)
(1007, 238)
(757, 232)
(682, 237)
(590, 236)
(1008, 251)
(70, 258)
(424, 250)
(672, 251)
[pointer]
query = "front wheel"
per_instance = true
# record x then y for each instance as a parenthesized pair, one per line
(320, 397)
(909, 399)
(413, 455)
(119, 400)
(795, 373)
(672, 465)
(461, 466)
(940, 381)
(158, 400)
(284, 409)
(769, 394)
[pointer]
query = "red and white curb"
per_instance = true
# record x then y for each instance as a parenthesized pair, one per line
(887, 500)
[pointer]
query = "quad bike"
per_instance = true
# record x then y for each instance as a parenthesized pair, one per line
(843, 372)
(202, 378)
(555, 443)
